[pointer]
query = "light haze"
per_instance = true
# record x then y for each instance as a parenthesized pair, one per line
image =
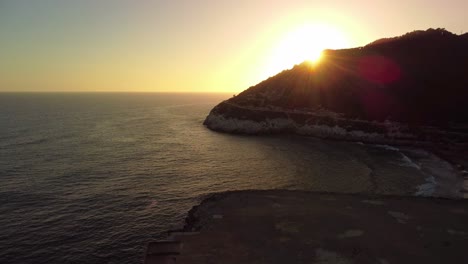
(183, 46)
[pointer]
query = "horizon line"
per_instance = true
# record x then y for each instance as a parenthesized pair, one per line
(165, 92)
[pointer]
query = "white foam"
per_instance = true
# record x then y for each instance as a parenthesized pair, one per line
(407, 162)
(428, 188)
(442, 179)
(388, 147)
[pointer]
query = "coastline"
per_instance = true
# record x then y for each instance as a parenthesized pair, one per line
(449, 145)
(232, 118)
(204, 233)
(278, 226)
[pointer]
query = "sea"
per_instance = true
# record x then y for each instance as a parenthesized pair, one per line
(94, 177)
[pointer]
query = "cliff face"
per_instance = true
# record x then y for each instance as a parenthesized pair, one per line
(397, 88)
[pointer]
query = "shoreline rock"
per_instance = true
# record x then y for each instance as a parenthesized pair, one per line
(231, 118)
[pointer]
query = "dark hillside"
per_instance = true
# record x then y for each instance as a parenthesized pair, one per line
(418, 78)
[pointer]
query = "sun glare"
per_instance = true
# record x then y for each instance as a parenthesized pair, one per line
(304, 43)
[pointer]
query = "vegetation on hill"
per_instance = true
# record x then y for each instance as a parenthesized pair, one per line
(418, 78)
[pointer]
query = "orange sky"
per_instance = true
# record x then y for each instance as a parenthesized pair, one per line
(190, 46)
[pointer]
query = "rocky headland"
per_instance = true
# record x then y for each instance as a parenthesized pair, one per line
(410, 89)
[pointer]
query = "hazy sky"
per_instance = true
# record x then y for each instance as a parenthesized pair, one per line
(181, 45)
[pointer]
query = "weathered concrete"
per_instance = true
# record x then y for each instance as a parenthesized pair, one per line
(304, 227)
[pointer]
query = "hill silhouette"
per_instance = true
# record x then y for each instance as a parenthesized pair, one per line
(417, 78)
(411, 89)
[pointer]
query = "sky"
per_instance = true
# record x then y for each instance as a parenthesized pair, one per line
(191, 46)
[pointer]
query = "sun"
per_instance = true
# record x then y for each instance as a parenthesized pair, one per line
(304, 43)
(314, 55)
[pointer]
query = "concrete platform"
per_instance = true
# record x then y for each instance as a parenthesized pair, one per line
(304, 227)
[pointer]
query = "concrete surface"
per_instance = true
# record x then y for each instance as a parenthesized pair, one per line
(302, 227)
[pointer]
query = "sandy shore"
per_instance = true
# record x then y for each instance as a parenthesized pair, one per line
(304, 227)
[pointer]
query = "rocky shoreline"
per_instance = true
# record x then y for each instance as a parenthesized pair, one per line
(231, 118)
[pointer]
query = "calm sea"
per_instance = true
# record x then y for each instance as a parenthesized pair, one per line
(91, 178)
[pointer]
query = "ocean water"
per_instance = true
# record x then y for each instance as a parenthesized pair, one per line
(91, 178)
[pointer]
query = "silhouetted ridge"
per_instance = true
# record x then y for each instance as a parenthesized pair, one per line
(417, 35)
(420, 77)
